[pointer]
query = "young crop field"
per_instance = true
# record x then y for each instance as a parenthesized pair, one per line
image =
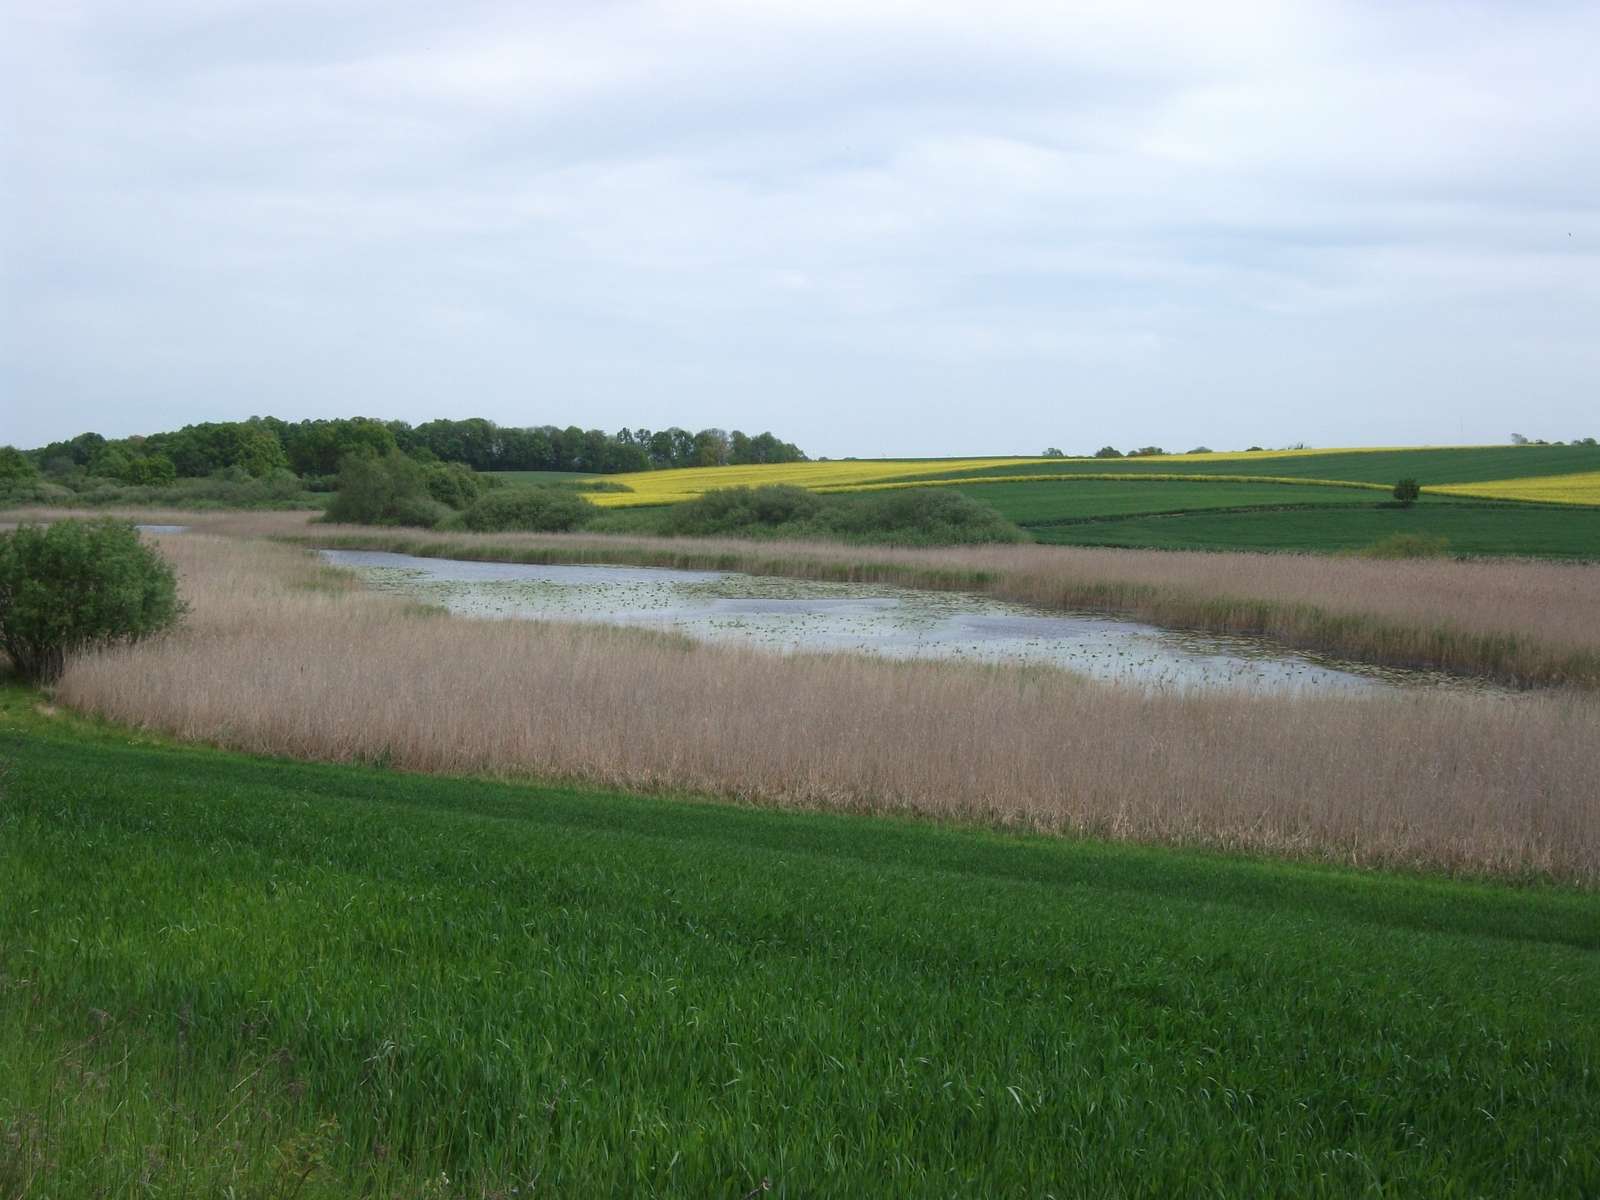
(225, 975)
(1037, 503)
(1429, 465)
(1544, 531)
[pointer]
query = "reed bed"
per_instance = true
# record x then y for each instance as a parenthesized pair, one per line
(282, 655)
(1524, 623)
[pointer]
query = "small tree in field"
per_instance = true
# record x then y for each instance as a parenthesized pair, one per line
(74, 585)
(1407, 491)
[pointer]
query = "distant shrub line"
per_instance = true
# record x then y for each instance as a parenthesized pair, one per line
(394, 490)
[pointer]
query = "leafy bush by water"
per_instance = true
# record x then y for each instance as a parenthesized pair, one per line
(905, 516)
(536, 509)
(70, 585)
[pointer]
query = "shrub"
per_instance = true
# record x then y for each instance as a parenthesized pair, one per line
(906, 516)
(454, 484)
(387, 490)
(16, 469)
(742, 510)
(535, 509)
(73, 585)
(927, 516)
(1407, 491)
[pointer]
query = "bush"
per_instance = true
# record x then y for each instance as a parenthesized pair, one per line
(16, 470)
(1407, 491)
(387, 490)
(742, 510)
(74, 585)
(907, 516)
(920, 516)
(532, 509)
(452, 484)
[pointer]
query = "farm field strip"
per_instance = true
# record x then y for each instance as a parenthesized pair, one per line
(1580, 488)
(1428, 465)
(1484, 528)
(1433, 467)
(257, 977)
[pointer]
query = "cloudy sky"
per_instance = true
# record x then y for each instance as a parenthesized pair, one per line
(904, 228)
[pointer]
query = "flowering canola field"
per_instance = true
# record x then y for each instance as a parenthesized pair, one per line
(845, 475)
(1580, 488)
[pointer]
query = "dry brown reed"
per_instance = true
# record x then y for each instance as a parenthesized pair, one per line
(282, 655)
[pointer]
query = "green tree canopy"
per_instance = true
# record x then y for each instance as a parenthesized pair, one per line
(75, 585)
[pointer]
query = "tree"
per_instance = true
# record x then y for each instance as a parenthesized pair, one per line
(1052, 452)
(710, 448)
(392, 490)
(75, 585)
(152, 470)
(16, 468)
(1146, 452)
(1518, 440)
(1108, 452)
(318, 447)
(1407, 491)
(216, 445)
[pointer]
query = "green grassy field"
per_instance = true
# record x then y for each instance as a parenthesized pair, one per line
(220, 972)
(1430, 466)
(1166, 513)
(1049, 502)
(1487, 529)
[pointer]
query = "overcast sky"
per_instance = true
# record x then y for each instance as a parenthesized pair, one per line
(902, 228)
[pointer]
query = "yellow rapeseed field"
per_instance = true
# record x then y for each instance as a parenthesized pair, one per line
(1580, 488)
(1126, 476)
(685, 483)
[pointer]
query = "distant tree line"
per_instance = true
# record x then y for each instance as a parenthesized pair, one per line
(262, 445)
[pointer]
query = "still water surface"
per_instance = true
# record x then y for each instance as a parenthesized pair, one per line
(788, 615)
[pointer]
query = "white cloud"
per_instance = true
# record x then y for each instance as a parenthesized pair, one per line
(840, 220)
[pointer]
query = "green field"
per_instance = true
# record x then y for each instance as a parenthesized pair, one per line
(220, 972)
(1545, 531)
(1253, 513)
(1050, 502)
(1454, 464)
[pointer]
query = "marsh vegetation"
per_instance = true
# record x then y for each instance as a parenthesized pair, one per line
(282, 655)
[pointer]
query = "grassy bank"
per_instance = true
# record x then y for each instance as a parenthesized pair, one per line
(1523, 624)
(294, 980)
